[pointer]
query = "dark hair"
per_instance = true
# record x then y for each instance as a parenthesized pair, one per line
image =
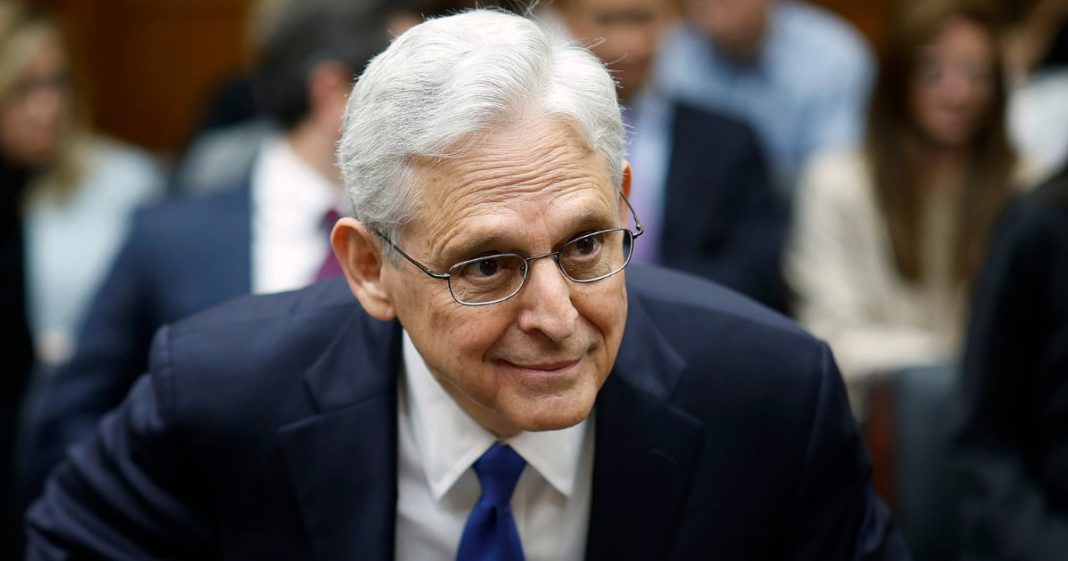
(895, 147)
(306, 34)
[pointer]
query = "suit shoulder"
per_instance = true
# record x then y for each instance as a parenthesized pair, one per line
(702, 302)
(691, 117)
(254, 315)
(186, 213)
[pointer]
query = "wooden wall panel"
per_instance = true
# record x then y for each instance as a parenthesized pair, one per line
(149, 65)
(870, 16)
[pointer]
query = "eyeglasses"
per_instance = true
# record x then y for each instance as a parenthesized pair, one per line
(495, 278)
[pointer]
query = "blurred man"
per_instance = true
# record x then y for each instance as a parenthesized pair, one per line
(701, 184)
(265, 235)
(1013, 444)
(797, 74)
(500, 391)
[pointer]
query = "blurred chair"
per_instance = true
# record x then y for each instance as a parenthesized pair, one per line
(909, 432)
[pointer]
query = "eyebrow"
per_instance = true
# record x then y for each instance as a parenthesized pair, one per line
(507, 242)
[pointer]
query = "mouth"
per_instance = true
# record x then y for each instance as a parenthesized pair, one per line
(546, 375)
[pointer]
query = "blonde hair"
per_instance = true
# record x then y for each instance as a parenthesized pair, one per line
(23, 33)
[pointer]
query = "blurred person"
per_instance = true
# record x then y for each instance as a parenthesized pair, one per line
(700, 180)
(68, 195)
(266, 235)
(1035, 50)
(798, 74)
(81, 188)
(490, 380)
(234, 127)
(886, 239)
(1013, 446)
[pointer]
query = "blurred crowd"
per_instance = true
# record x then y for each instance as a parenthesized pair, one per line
(907, 203)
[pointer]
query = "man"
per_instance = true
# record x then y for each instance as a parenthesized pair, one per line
(1013, 444)
(701, 184)
(265, 235)
(797, 74)
(500, 391)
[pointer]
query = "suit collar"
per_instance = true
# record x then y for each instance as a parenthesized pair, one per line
(646, 449)
(344, 459)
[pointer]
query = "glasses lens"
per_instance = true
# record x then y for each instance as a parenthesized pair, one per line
(487, 279)
(597, 255)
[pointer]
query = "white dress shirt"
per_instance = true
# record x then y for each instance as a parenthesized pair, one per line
(437, 487)
(289, 200)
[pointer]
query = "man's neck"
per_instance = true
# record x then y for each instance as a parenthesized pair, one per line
(316, 149)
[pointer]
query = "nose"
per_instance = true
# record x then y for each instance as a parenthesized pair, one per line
(546, 302)
(959, 88)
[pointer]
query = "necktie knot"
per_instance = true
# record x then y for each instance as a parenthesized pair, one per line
(330, 267)
(330, 217)
(498, 472)
(490, 533)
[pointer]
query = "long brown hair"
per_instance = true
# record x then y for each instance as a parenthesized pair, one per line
(895, 145)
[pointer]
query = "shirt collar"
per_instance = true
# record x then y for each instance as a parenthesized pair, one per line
(449, 440)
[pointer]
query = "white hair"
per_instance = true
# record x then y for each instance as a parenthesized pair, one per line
(449, 80)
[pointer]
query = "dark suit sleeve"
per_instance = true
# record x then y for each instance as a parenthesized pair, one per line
(129, 492)
(747, 215)
(835, 511)
(112, 352)
(1005, 512)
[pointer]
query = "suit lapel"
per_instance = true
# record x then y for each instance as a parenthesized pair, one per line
(343, 461)
(645, 450)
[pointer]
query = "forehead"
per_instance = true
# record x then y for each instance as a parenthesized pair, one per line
(525, 179)
(961, 35)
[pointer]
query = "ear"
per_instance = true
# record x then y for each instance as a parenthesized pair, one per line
(625, 187)
(359, 252)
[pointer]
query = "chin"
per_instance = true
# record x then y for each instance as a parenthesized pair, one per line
(555, 416)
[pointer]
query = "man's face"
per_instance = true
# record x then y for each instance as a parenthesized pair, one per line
(536, 361)
(631, 31)
(737, 26)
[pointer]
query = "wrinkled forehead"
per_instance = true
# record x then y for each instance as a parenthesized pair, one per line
(529, 166)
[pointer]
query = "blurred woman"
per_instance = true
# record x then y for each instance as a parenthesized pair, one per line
(886, 240)
(79, 189)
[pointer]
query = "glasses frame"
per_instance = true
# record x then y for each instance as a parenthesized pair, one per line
(638, 230)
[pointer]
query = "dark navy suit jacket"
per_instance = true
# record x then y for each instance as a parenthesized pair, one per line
(179, 258)
(722, 218)
(267, 429)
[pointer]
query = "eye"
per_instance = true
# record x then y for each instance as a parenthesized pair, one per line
(491, 267)
(587, 245)
(488, 267)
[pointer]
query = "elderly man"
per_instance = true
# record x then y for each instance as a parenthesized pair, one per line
(501, 391)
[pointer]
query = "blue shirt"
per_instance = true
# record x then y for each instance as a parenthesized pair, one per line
(649, 153)
(806, 91)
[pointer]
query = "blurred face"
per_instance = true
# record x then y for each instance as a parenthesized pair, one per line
(32, 116)
(953, 84)
(631, 31)
(737, 26)
(536, 361)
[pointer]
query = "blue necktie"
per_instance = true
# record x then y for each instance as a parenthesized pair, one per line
(490, 533)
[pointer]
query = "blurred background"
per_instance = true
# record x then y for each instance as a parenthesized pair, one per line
(890, 173)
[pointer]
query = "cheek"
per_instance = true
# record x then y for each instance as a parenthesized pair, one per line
(606, 311)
